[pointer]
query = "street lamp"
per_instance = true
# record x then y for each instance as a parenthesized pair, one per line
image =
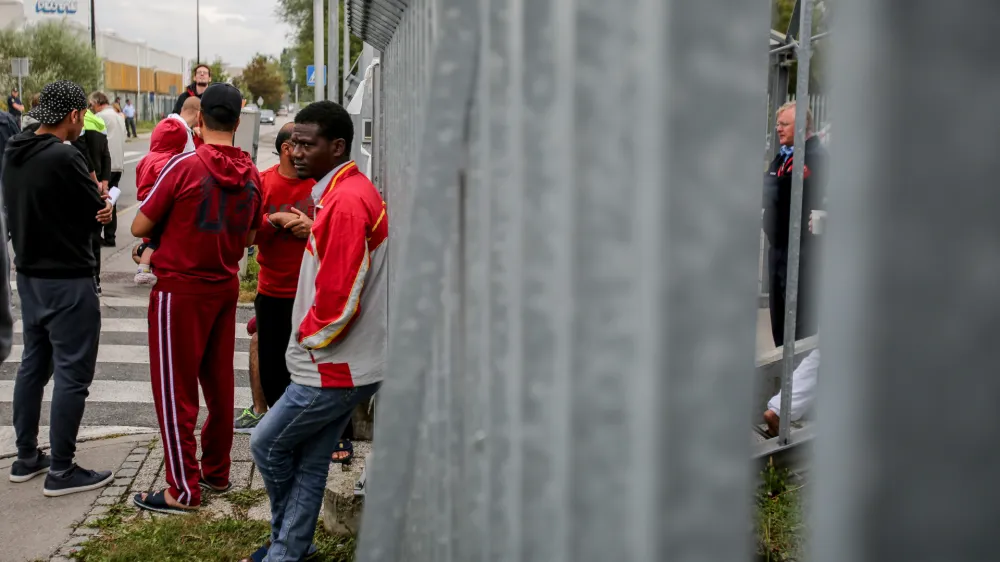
(93, 27)
(197, 26)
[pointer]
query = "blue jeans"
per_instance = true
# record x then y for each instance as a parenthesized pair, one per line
(292, 447)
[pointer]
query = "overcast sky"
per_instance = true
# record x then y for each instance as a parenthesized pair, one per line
(232, 29)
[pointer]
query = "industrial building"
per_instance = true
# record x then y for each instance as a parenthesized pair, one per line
(151, 78)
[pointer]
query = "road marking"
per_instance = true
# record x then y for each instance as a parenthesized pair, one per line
(133, 325)
(8, 444)
(128, 354)
(122, 392)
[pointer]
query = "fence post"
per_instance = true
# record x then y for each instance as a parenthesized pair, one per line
(907, 464)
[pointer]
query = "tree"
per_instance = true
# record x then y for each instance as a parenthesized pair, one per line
(55, 52)
(299, 15)
(781, 15)
(263, 79)
(218, 71)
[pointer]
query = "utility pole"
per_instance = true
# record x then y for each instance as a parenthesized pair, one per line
(347, 53)
(197, 27)
(318, 47)
(334, 44)
(93, 27)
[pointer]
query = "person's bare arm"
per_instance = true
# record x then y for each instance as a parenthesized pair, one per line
(142, 226)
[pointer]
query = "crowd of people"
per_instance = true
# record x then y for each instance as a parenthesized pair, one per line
(321, 229)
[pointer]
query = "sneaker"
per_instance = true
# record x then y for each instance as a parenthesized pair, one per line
(22, 471)
(247, 421)
(145, 278)
(75, 480)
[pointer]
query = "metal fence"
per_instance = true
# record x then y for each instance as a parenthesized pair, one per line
(574, 197)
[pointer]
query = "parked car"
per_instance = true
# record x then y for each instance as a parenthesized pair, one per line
(267, 116)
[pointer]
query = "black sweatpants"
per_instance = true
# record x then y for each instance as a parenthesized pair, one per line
(274, 331)
(62, 328)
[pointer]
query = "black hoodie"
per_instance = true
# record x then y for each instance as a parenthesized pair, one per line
(192, 90)
(52, 204)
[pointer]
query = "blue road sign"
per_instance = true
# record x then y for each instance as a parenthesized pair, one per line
(311, 75)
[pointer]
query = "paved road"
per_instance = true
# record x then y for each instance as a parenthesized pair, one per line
(121, 399)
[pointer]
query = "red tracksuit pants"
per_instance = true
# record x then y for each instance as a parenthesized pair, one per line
(192, 338)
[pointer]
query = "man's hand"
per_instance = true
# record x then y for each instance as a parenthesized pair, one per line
(281, 220)
(301, 226)
(104, 216)
(197, 131)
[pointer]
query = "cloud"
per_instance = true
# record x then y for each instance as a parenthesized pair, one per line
(234, 30)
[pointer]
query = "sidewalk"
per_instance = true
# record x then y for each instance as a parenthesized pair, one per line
(36, 527)
(70, 521)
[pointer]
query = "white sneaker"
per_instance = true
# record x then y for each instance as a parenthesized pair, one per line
(145, 278)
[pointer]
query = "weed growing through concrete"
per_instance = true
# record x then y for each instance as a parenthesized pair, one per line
(778, 519)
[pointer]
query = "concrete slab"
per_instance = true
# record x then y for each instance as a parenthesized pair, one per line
(43, 525)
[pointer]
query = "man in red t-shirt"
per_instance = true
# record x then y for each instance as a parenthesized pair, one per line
(288, 210)
(206, 207)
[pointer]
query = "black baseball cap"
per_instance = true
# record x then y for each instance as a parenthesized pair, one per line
(223, 102)
(57, 100)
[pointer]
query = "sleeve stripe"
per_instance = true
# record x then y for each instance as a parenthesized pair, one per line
(170, 166)
(320, 338)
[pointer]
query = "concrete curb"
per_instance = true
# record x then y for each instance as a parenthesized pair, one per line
(111, 495)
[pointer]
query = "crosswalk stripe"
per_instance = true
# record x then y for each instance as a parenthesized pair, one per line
(124, 301)
(134, 354)
(119, 391)
(8, 444)
(136, 325)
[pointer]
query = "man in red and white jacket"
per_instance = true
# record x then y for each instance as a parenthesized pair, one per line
(337, 352)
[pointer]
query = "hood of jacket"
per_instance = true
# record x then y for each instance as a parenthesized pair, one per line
(229, 165)
(169, 136)
(92, 122)
(26, 145)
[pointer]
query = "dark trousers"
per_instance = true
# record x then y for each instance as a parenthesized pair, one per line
(274, 330)
(62, 327)
(805, 315)
(111, 228)
(130, 127)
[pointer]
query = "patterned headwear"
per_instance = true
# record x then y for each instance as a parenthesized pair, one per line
(57, 100)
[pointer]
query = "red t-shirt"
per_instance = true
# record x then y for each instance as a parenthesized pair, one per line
(205, 203)
(279, 251)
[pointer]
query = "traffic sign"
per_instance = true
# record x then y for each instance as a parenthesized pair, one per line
(311, 75)
(19, 67)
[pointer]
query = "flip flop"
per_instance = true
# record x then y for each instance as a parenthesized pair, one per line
(210, 488)
(157, 503)
(344, 446)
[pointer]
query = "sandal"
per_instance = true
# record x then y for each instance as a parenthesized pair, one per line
(157, 503)
(344, 446)
(210, 488)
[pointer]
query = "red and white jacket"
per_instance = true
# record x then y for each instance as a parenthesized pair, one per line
(341, 304)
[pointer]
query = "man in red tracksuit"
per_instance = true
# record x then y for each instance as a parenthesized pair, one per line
(206, 205)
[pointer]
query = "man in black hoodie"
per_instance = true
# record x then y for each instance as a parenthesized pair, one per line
(202, 78)
(53, 206)
(777, 204)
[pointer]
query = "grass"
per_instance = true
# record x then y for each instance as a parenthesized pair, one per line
(248, 282)
(778, 520)
(243, 500)
(192, 538)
